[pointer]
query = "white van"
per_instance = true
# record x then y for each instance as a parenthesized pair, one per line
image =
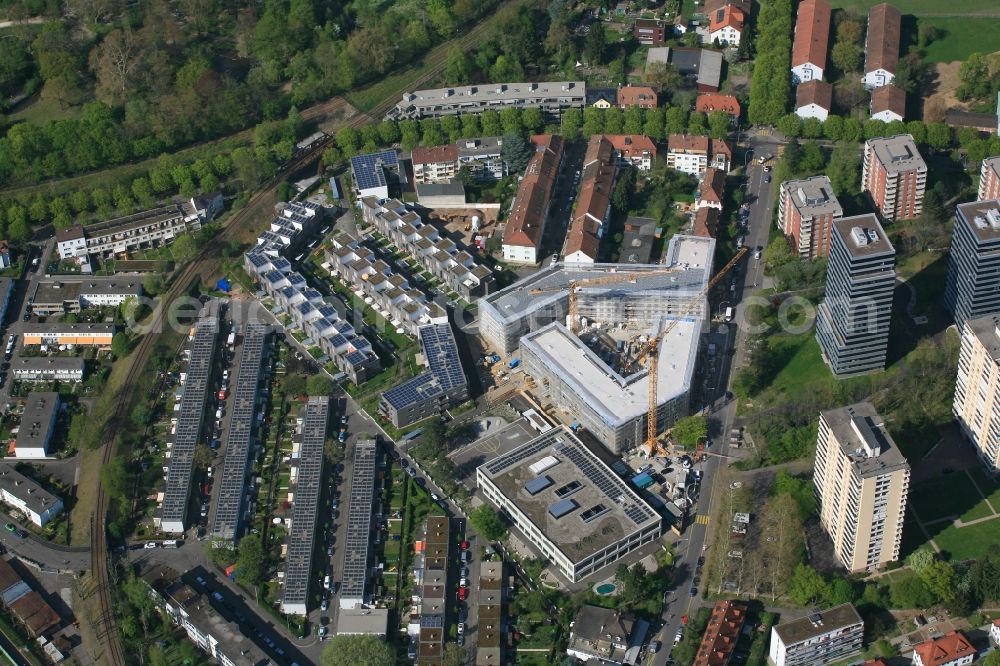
(729, 314)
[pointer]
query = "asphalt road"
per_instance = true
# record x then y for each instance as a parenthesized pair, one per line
(697, 539)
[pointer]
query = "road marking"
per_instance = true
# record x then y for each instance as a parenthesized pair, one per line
(702, 520)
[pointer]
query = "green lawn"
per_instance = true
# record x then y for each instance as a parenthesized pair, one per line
(948, 495)
(805, 365)
(967, 542)
(964, 37)
(918, 7)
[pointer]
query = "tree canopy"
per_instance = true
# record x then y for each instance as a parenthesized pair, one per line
(357, 651)
(488, 523)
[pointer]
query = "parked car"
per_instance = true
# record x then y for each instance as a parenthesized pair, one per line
(150, 545)
(324, 605)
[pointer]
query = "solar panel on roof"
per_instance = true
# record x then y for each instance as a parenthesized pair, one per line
(537, 484)
(561, 508)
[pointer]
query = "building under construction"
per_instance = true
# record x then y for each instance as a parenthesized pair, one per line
(594, 377)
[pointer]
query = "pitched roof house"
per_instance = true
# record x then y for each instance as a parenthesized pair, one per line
(642, 96)
(888, 103)
(882, 45)
(713, 102)
(952, 649)
(812, 38)
(814, 99)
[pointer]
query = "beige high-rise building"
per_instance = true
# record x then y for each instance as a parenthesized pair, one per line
(861, 481)
(977, 387)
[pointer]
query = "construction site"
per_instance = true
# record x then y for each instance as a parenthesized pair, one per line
(608, 348)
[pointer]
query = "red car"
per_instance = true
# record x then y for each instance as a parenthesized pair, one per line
(465, 545)
(684, 620)
(462, 593)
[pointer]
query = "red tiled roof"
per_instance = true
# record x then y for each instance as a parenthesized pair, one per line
(524, 224)
(594, 200)
(812, 33)
(631, 145)
(706, 222)
(716, 5)
(422, 155)
(882, 42)
(727, 17)
(719, 146)
(711, 102)
(643, 96)
(722, 633)
(713, 186)
(688, 143)
(938, 651)
(815, 92)
(889, 98)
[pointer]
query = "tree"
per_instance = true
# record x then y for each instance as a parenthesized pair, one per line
(846, 57)
(294, 384)
(571, 120)
(800, 490)
(689, 430)
(920, 559)
(114, 477)
(938, 136)
(941, 580)
(516, 151)
(116, 63)
(458, 68)
(251, 560)
(358, 651)
(184, 248)
(454, 655)
(203, 456)
(910, 592)
(807, 586)
(488, 523)
(318, 385)
(121, 345)
(18, 230)
(844, 169)
(595, 45)
(975, 77)
(992, 659)
(718, 124)
(532, 119)
(663, 77)
(790, 125)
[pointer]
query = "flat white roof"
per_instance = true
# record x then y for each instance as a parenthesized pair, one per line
(619, 399)
(692, 251)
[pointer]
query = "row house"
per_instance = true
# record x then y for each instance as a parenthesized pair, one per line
(888, 103)
(694, 154)
(440, 256)
(812, 38)
(814, 99)
(529, 212)
(593, 206)
(388, 292)
(882, 45)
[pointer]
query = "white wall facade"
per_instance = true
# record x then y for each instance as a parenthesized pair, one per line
(877, 78)
(812, 111)
(806, 72)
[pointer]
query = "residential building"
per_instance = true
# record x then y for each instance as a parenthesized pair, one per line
(715, 5)
(709, 102)
(378, 174)
(290, 230)
(972, 288)
(853, 320)
(952, 649)
(814, 99)
(4, 254)
(221, 639)
(60, 333)
(995, 633)
(888, 103)
(635, 149)
(6, 289)
(977, 387)
(491, 639)
(482, 156)
(606, 636)
(140, 231)
(568, 504)
(602, 98)
(895, 175)
(593, 205)
(48, 368)
(643, 97)
(64, 294)
(726, 25)
(529, 212)
(638, 238)
(190, 409)
(818, 639)
(363, 622)
(430, 590)
(722, 633)
(29, 607)
(308, 456)
(384, 290)
(449, 194)
(651, 32)
(443, 385)
(552, 97)
(355, 588)
(510, 314)
(28, 496)
(989, 179)
(693, 154)
(861, 481)
(806, 211)
(712, 189)
(437, 164)
(680, 24)
(440, 256)
(38, 423)
(706, 222)
(812, 39)
(882, 45)
(701, 68)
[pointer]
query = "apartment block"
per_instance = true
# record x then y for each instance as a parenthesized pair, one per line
(651, 32)
(972, 288)
(593, 205)
(552, 97)
(818, 639)
(605, 635)
(529, 213)
(895, 176)
(977, 387)
(442, 163)
(482, 156)
(38, 424)
(806, 211)
(439, 256)
(812, 39)
(882, 45)
(853, 320)
(60, 333)
(952, 649)
(635, 149)
(989, 179)
(63, 294)
(861, 482)
(693, 154)
(28, 496)
(436, 164)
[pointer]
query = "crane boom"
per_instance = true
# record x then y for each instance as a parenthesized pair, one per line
(651, 350)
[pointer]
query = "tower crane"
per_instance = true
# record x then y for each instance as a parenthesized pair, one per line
(651, 349)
